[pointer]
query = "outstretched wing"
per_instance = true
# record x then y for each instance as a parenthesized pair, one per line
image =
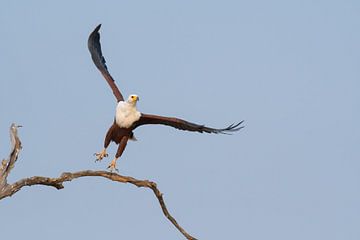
(184, 125)
(97, 57)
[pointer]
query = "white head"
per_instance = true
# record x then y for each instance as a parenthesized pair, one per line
(132, 99)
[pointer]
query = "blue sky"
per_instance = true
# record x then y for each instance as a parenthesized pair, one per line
(290, 69)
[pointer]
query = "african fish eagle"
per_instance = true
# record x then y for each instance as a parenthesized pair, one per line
(128, 118)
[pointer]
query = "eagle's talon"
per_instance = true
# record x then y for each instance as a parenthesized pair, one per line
(112, 166)
(113, 169)
(100, 155)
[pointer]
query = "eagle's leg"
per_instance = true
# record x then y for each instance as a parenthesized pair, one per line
(107, 140)
(119, 152)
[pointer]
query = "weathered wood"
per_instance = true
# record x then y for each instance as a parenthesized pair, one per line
(7, 190)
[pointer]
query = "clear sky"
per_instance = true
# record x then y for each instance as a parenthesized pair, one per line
(290, 69)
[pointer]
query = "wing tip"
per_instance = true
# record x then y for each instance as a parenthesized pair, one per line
(232, 128)
(94, 33)
(97, 28)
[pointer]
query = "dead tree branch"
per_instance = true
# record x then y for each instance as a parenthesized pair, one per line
(7, 190)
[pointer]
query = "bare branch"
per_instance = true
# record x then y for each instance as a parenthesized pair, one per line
(7, 190)
(67, 176)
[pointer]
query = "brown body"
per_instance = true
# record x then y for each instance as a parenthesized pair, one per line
(118, 135)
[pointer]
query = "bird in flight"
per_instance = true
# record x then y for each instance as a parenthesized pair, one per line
(128, 118)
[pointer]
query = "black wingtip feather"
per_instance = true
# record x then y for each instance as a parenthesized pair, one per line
(95, 49)
(231, 128)
(97, 28)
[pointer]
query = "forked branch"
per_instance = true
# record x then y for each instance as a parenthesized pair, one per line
(7, 190)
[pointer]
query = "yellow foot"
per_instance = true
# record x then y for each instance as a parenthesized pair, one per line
(100, 155)
(112, 166)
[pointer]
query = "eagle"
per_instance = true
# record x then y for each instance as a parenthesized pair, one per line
(128, 118)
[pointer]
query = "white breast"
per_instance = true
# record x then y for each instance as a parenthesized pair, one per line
(126, 114)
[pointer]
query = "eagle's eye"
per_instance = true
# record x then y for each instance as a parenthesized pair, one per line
(132, 97)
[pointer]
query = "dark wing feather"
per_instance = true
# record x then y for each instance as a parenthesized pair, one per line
(184, 125)
(97, 57)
